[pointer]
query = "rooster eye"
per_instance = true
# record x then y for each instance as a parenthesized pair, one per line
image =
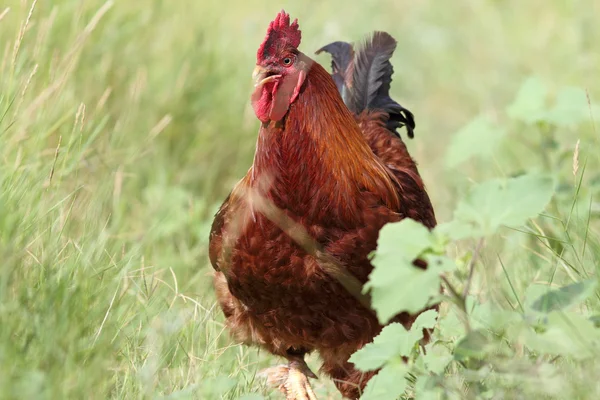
(287, 61)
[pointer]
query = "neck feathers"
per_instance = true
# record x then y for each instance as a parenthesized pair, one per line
(317, 158)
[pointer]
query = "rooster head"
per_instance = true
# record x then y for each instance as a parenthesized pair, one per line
(280, 69)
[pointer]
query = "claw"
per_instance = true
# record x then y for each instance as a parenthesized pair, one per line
(291, 380)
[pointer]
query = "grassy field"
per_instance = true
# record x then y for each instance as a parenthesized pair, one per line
(123, 125)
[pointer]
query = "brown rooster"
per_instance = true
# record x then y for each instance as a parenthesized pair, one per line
(291, 243)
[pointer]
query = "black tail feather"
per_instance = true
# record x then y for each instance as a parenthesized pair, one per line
(363, 77)
(342, 54)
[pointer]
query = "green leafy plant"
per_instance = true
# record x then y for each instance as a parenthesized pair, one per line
(479, 345)
(124, 125)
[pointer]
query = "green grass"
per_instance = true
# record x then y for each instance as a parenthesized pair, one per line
(123, 125)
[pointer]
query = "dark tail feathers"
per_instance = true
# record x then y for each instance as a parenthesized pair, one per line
(363, 78)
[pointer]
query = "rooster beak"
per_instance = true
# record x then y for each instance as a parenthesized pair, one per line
(260, 78)
(258, 70)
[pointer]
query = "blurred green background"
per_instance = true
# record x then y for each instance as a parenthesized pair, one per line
(123, 125)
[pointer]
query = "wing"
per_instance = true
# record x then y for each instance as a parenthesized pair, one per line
(230, 222)
(364, 76)
(215, 243)
(390, 149)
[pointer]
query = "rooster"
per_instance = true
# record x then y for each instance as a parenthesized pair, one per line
(291, 243)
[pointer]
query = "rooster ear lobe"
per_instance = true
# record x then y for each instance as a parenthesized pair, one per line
(301, 78)
(285, 95)
(279, 108)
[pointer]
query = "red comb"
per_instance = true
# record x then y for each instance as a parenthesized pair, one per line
(279, 34)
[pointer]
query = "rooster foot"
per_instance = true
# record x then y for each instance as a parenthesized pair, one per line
(291, 380)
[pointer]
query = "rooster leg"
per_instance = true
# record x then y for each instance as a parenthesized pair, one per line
(292, 379)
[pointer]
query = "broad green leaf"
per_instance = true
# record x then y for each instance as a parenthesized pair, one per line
(529, 105)
(388, 272)
(567, 334)
(384, 347)
(451, 325)
(405, 240)
(425, 320)
(565, 297)
(389, 383)
(397, 288)
(440, 263)
(436, 358)
(456, 230)
(479, 138)
(395, 284)
(393, 341)
(408, 341)
(534, 292)
(489, 317)
(571, 107)
(474, 345)
(498, 202)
